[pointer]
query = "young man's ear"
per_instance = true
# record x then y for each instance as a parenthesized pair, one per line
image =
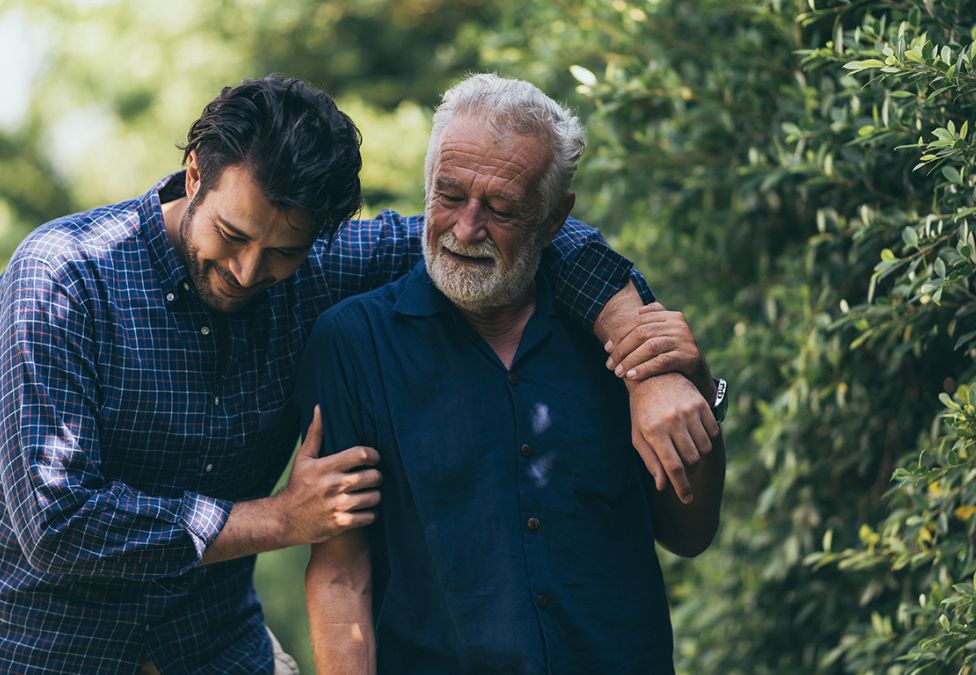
(559, 216)
(192, 182)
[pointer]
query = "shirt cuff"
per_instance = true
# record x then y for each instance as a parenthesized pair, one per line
(203, 517)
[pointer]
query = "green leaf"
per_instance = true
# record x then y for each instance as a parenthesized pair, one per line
(951, 174)
(888, 256)
(583, 75)
(910, 236)
(864, 65)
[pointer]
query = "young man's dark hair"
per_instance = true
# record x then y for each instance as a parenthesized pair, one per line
(303, 150)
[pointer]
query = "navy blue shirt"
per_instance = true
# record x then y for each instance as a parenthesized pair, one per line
(515, 534)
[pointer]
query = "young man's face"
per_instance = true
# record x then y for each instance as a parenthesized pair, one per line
(484, 233)
(235, 243)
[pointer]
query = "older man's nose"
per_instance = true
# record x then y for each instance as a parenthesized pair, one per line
(469, 228)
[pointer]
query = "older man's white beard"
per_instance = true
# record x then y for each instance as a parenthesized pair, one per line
(477, 287)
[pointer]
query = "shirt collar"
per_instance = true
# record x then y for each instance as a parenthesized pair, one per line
(168, 264)
(420, 297)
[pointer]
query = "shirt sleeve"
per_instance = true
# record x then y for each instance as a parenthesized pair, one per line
(329, 375)
(67, 516)
(585, 271)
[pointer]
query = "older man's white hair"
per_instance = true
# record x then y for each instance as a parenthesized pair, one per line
(515, 106)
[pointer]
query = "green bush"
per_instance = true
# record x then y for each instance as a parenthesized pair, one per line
(798, 177)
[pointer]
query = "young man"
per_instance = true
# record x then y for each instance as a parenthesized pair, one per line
(147, 354)
(518, 523)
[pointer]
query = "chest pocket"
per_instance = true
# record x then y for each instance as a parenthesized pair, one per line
(593, 432)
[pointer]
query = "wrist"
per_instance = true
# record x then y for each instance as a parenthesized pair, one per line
(278, 516)
(701, 377)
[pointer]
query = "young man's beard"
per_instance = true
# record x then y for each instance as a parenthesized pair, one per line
(200, 272)
(476, 287)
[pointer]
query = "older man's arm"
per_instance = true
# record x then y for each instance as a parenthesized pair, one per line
(338, 593)
(671, 422)
(688, 529)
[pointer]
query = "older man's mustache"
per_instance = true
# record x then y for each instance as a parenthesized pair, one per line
(483, 249)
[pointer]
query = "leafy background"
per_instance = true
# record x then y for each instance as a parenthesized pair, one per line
(796, 176)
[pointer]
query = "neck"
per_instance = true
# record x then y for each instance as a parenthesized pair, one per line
(172, 217)
(502, 327)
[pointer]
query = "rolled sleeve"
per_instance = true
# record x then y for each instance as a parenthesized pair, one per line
(69, 518)
(588, 272)
(203, 517)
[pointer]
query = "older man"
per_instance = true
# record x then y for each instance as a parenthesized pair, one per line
(518, 524)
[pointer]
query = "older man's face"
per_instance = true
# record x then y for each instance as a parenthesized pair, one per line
(484, 231)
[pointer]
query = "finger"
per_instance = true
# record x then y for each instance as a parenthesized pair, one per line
(666, 454)
(350, 520)
(659, 352)
(633, 339)
(686, 447)
(699, 436)
(646, 329)
(362, 480)
(350, 458)
(708, 422)
(653, 307)
(651, 463)
(313, 437)
(357, 501)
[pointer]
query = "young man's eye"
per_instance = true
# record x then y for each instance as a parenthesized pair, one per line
(230, 237)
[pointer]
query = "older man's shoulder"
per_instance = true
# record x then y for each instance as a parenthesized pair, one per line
(361, 314)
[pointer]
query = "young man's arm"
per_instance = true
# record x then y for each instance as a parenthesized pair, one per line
(338, 593)
(67, 516)
(324, 497)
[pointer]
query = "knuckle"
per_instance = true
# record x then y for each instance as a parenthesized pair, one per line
(675, 467)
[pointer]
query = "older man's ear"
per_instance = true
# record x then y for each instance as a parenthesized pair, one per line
(559, 217)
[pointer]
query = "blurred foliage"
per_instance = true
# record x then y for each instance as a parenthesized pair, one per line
(797, 176)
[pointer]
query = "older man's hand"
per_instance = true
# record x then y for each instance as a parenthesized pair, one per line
(659, 341)
(671, 428)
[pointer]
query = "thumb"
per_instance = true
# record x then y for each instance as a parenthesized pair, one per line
(313, 437)
(653, 307)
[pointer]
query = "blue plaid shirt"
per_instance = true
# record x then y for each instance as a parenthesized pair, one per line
(132, 417)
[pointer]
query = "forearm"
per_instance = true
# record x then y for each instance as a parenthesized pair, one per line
(115, 532)
(338, 591)
(688, 529)
(618, 317)
(252, 527)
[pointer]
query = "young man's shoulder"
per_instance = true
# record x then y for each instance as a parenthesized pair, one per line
(88, 237)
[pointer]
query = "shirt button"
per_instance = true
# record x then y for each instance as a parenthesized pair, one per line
(512, 378)
(205, 330)
(532, 524)
(186, 285)
(542, 600)
(147, 627)
(170, 297)
(525, 450)
(209, 468)
(216, 400)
